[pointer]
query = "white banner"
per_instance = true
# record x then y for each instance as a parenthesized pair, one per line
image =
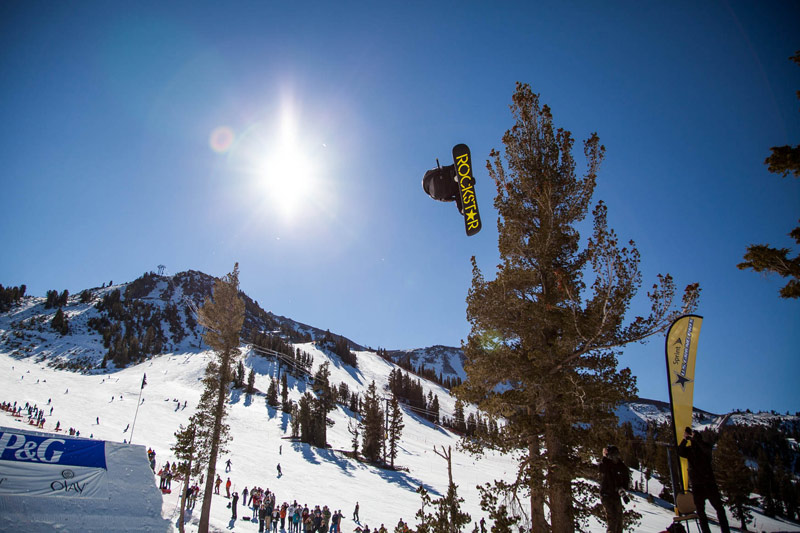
(52, 480)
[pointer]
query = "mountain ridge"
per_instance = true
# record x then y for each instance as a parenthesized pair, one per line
(169, 303)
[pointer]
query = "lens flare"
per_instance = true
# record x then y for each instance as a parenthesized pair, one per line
(221, 139)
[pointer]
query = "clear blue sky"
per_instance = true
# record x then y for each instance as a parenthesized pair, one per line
(115, 156)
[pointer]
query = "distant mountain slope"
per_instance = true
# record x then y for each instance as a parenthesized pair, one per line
(444, 361)
(121, 324)
(642, 411)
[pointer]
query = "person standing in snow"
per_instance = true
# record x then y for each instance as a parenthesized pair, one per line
(276, 516)
(701, 475)
(228, 465)
(326, 518)
(233, 505)
(279, 470)
(262, 517)
(355, 514)
(228, 488)
(613, 482)
(217, 483)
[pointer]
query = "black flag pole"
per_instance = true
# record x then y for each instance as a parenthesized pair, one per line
(138, 403)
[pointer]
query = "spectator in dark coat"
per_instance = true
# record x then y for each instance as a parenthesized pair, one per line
(233, 505)
(262, 517)
(701, 477)
(614, 477)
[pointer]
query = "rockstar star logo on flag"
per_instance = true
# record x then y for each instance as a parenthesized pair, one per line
(681, 380)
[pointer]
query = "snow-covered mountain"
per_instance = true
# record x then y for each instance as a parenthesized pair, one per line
(130, 322)
(102, 323)
(444, 361)
(642, 412)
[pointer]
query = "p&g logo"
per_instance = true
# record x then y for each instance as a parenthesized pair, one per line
(22, 449)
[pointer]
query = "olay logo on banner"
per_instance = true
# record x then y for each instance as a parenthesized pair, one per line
(66, 485)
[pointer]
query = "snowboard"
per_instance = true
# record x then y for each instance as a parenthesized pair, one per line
(466, 200)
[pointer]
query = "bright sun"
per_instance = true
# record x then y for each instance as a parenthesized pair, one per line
(286, 176)
(285, 169)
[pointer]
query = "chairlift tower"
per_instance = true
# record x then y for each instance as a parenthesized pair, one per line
(161, 269)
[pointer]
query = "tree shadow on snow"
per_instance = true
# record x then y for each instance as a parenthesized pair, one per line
(405, 481)
(424, 421)
(272, 412)
(306, 450)
(336, 361)
(285, 421)
(236, 395)
(317, 456)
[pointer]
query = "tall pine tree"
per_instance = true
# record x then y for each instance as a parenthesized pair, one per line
(734, 478)
(546, 332)
(371, 424)
(322, 405)
(396, 426)
(222, 316)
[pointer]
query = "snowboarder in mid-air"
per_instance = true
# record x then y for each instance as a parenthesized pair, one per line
(455, 183)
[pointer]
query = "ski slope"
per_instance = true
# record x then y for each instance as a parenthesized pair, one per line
(260, 439)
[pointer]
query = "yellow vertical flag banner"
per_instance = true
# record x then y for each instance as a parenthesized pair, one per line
(681, 351)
